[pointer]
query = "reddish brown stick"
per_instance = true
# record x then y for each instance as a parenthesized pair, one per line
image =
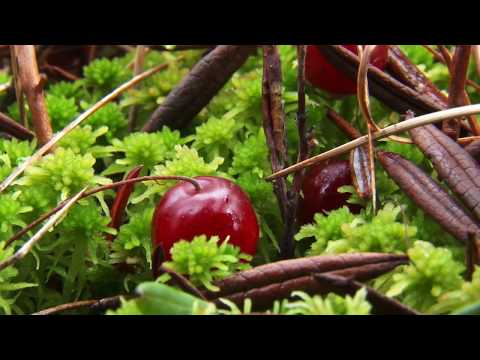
(117, 210)
(32, 85)
(13, 128)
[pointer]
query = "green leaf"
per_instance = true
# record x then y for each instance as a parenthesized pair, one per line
(160, 299)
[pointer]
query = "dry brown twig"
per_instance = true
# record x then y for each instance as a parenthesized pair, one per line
(32, 85)
(137, 69)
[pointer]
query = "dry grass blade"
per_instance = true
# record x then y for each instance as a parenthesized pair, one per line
(27, 247)
(454, 165)
(364, 103)
(428, 195)
(390, 130)
(60, 135)
(32, 86)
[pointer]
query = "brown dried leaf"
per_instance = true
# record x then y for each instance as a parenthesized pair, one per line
(201, 84)
(267, 283)
(400, 66)
(360, 170)
(454, 165)
(384, 87)
(428, 195)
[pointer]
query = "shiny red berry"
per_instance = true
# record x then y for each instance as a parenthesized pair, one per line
(219, 208)
(320, 187)
(323, 75)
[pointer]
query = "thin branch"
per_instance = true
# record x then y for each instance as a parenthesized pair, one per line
(25, 249)
(182, 281)
(13, 128)
(274, 129)
(17, 85)
(456, 91)
(343, 124)
(476, 57)
(60, 135)
(137, 69)
(60, 206)
(105, 303)
(390, 130)
(62, 72)
(32, 86)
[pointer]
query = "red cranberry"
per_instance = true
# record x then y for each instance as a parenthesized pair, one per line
(219, 208)
(320, 187)
(323, 75)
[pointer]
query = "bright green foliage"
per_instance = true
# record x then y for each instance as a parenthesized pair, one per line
(67, 89)
(12, 154)
(133, 244)
(186, 162)
(467, 295)
(433, 272)
(160, 299)
(17, 150)
(81, 241)
(11, 211)
(4, 78)
(226, 139)
(147, 149)
(325, 229)
(205, 261)
(408, 151)
(7, 282)
(332, 304)
(105, 74)
(62, 111)
(64, 171)
(111, 116)
(251, 156)
(216, 136)
(341, 232)
(82, 140)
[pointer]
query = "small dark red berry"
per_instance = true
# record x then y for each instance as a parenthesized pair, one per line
(323, 75)
(219, 208)
(320, 187)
